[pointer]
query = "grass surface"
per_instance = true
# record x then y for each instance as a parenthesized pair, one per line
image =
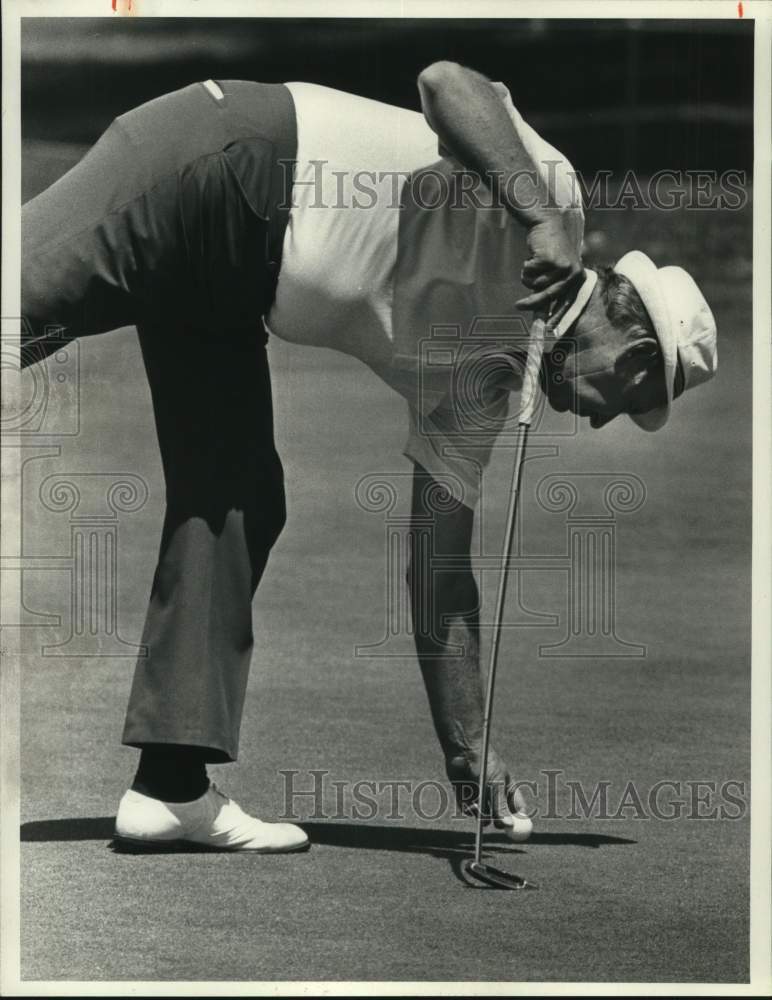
(619, 900)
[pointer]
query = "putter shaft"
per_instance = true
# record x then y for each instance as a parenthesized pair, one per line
(530, 393)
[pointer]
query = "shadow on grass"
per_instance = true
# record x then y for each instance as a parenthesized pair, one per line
(453, 846)
(442, 843)
(87, 828)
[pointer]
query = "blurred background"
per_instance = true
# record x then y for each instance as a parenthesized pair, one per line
(613, 94)
(652, 901)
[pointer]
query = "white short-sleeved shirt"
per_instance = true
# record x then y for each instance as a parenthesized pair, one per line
(385, 259)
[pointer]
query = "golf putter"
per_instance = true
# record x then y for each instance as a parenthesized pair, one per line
(476, 867)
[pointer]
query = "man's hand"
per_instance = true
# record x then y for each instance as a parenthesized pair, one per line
(504, 802)
(553, 265)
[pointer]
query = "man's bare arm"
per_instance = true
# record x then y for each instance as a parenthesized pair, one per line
(445, 608)
(472, 123)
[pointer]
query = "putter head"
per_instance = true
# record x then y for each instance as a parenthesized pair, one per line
(495, 876)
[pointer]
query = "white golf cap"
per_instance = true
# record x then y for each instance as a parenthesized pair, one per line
(683, 323)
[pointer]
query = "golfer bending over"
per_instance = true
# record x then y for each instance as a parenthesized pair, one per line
(185, 221)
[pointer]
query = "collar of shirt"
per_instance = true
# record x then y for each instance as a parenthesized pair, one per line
(576, 308)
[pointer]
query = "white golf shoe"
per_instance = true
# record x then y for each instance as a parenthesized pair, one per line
(213, 821)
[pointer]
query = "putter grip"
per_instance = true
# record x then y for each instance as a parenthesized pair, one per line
(532, 367)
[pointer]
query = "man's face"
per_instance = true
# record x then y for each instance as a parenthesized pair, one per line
(596, 372)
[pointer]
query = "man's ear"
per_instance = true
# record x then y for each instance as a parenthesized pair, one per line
(636, 360)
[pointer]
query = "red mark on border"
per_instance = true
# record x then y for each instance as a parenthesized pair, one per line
(740, 8)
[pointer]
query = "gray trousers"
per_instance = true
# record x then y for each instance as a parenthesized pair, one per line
(173, 222)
